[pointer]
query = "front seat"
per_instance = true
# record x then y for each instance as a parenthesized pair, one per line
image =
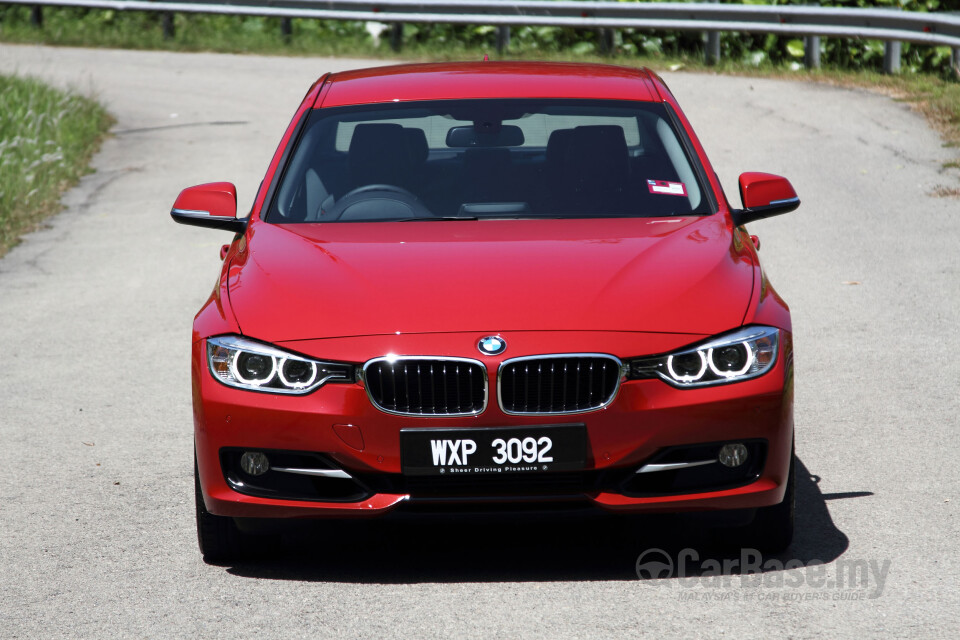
(379, 154)
(593, 170)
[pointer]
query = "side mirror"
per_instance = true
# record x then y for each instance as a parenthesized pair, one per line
(213, 206)
(764, 195)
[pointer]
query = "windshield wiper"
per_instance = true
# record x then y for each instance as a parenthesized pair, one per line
(433, 219)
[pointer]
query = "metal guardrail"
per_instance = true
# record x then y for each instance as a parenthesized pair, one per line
(812, 22)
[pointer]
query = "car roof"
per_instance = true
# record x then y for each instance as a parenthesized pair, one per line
(464, 80)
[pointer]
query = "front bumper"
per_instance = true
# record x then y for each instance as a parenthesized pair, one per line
(338, 428)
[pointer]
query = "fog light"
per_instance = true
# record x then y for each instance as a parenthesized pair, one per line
(256, 463)
(732, 455)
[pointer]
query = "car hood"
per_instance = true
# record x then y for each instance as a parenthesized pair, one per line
(665, 275)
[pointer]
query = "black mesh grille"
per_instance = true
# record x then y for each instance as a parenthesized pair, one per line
(566, 384)
(427, 387)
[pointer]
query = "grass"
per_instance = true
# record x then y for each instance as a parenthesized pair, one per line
(194, 32)
(46, 140)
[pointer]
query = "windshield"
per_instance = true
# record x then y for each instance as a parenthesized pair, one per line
(478, 159)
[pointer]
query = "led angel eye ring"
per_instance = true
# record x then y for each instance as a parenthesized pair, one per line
(297, 385)
(680, 378)
(732, 374)
(256, 383)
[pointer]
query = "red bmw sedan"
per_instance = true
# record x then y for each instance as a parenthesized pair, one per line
(490, 283)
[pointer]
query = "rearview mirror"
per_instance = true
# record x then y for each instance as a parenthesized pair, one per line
(212, 205)
(485, 135)
(764, 195)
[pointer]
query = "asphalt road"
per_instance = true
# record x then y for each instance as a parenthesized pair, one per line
(97, 531)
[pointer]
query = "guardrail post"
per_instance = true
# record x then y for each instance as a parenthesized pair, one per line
(713, 45)
(286, 29)
(605, 36)
(396, 36)
(891, 53)
(166, 23)
(955, 61)
(811, 48)
(36, 16)
(811, 52)
(503, 38)
(891, 57)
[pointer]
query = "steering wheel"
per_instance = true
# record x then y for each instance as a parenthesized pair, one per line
(377, 202)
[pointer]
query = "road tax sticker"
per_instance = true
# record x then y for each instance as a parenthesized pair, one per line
(667, 188)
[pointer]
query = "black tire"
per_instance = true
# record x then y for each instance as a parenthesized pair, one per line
(772, 528)
(220, 539)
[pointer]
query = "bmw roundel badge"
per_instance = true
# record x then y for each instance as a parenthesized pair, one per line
(492, 345)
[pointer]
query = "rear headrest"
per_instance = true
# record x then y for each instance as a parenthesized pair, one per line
(557, 145)
(417, 144)
(379, 154)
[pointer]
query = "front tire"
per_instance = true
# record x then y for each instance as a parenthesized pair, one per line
(219, 538)
(772, 528)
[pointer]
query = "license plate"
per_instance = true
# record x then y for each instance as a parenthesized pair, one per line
(430, 452)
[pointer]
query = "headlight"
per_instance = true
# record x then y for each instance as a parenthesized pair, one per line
(242, 363)
(740, 355)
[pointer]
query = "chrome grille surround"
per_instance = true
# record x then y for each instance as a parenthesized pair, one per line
(475, 366)
(619, 370)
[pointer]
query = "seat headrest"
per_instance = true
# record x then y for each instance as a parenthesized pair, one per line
(557, 145)
(416, 144)
(596, 156)
(604, 142)
(379, 154)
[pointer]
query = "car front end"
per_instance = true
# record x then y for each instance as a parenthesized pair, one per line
(449, 294)
(634, 441)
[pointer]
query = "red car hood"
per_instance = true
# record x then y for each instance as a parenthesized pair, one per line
(666, 275)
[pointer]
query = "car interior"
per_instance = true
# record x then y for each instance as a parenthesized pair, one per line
(381, 167)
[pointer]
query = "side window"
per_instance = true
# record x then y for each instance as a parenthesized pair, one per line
(295, 174)
(678, 159)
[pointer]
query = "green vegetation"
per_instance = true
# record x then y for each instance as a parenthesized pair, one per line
(46, 140)
(194, 32)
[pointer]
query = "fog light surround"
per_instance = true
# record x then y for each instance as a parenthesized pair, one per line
(732, 455)
(254, 463)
